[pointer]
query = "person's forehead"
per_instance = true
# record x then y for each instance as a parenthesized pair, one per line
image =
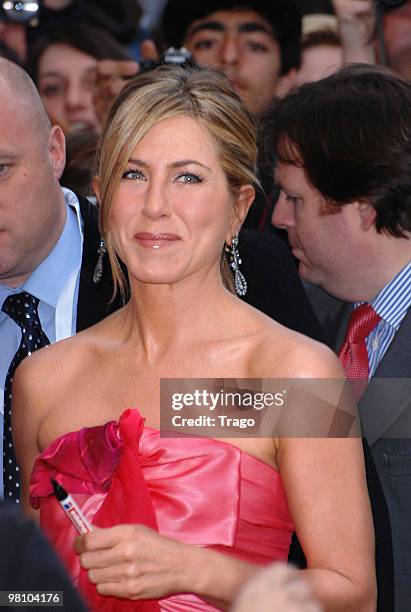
(283, 169)
(289, 174)
(11, 95)
(21, 114)
(63, 54)
(181, 132)
(18, 114)
(11, 146)
(236, 20)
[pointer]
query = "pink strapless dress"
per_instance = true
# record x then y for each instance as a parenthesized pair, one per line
(197, 490)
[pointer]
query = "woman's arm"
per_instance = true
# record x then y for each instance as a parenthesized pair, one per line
(27, 412)
(42, 384)
(325, 484)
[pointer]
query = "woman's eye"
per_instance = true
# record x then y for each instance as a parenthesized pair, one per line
(133, 175)
(189, 178)
(51, 90)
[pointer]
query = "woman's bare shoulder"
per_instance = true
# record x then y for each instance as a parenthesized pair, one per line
(50, 381)
(52, 366)
(283, 352)
(61, 356)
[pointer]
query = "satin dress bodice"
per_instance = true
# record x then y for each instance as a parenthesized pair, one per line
(200, 491)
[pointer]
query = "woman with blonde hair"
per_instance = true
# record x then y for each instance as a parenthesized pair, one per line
(183, 522)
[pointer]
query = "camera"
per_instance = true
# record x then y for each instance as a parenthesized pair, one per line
(23, 12)
(174, 57)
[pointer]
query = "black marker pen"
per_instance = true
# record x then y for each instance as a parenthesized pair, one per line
(71, 508)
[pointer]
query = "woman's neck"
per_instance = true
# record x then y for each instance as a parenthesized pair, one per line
(161, 318)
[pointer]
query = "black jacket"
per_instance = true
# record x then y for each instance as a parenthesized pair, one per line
(28, 563)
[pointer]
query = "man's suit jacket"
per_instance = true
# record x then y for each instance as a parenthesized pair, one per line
(93, 302)
(385, 411)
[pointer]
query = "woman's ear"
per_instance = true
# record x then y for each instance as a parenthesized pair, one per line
(245, 197)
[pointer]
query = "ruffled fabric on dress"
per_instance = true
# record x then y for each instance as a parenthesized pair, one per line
(197, 490)
(99, 466)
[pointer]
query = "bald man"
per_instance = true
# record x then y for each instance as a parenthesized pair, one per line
(48, 241)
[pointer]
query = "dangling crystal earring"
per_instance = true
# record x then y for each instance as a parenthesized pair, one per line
(98, 270)
(239, 280)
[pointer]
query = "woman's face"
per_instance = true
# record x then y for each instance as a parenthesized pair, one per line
(66, 81)
(174, 208)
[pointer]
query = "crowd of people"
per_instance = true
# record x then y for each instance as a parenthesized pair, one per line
(206, 191)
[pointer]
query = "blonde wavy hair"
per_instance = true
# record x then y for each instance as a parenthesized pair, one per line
(168, 91)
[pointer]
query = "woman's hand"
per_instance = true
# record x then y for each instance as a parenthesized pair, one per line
(134, 562)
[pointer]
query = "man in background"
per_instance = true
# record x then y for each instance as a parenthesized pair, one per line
(345, 179)
(52, 278)
(255, 43)
(257, 46)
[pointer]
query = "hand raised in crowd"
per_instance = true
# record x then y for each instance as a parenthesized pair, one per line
(357, 25)
(276, 587)
(112, 75)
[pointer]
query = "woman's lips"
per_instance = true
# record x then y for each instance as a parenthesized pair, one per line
(156, 240)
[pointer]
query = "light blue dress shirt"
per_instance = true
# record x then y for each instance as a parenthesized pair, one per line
(392, 304)
(46, 283)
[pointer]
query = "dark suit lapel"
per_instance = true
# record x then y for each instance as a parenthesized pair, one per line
(332, 314)
(397, 359)
(93, 300)
(341, 320)
(388, 394)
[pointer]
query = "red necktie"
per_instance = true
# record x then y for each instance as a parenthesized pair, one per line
(353, 353)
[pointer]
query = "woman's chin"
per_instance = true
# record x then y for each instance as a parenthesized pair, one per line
(152, 277)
